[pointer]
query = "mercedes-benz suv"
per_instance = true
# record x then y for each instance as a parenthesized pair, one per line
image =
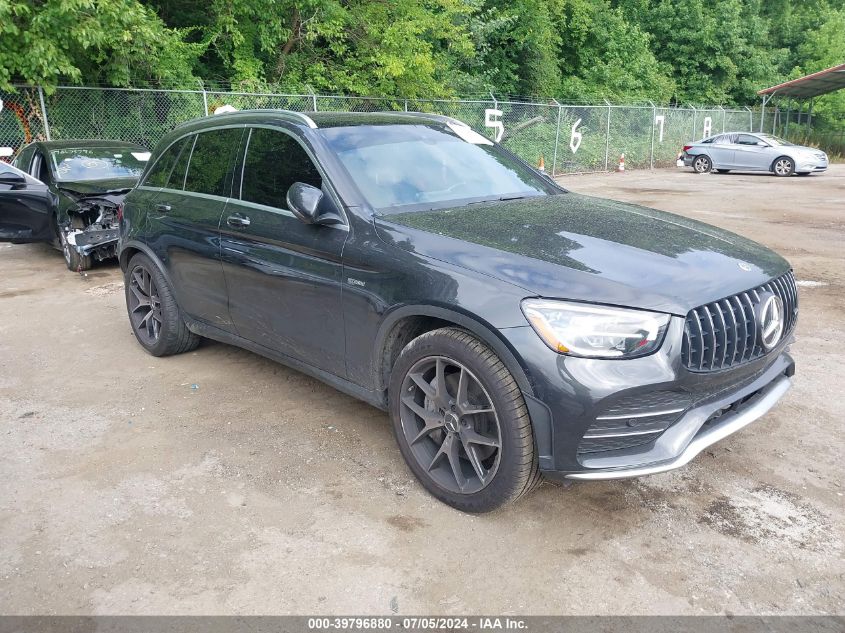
(511, 328)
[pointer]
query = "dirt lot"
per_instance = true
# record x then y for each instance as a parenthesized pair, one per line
(219, 482)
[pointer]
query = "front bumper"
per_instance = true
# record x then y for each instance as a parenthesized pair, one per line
(600, 419)
(688, 437)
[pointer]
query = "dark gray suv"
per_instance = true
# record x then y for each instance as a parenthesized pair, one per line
(511, 328)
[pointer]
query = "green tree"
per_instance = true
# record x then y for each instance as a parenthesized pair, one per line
(115, 42)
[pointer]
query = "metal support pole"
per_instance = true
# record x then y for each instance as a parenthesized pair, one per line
(44, 113)
(810, 118)
(750, 119)
(314, 101)
(406, 105)
(557, 137)
(786, 128)
(775, 120)
(724, 118)
(205, 101)
(495, 103)
(607, 139)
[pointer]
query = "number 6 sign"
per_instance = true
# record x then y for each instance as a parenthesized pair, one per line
(575, 139)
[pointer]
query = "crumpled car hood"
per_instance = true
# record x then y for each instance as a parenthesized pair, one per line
(590, 249)
(95, 187)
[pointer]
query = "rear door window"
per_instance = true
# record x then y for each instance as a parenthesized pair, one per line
(747, 139)
(212, 162)
(274, 161)
(161, 172)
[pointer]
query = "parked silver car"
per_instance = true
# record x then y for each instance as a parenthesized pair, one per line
(747, 151)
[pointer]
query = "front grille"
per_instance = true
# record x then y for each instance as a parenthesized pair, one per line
(725, 333)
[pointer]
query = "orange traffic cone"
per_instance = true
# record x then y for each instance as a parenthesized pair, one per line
(542, 164)
(621, 162)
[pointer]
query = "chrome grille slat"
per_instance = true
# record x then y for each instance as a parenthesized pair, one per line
(726, 331)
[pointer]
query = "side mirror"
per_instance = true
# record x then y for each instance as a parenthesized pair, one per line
(10, 178)
(310, 206)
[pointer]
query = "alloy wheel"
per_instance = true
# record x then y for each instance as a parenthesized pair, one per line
(144, 305)
(783, 167)
(701, 164)
(450, 424)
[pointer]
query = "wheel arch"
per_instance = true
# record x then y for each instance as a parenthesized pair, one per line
(407, 322)
(788, 157)
(130, 249)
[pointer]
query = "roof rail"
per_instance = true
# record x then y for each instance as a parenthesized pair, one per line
(299, 116)
(442, 118)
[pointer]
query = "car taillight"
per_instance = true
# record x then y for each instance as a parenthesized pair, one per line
(686, 147)
(120, 212)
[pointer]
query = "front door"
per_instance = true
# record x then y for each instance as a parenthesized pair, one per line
(26, 207)
(752, 153)
(284, 276)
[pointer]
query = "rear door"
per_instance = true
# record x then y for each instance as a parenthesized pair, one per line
(284, 276)
(26, 207)
(722, 151)
(184, 222)
(752, 153)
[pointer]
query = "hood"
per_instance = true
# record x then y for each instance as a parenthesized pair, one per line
(81, 188)
(578, 247)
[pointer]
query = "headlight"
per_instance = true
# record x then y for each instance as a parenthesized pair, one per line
(593, 331)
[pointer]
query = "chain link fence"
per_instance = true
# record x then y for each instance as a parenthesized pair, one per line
(563, 138)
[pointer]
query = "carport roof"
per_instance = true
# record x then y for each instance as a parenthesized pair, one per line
(811, 85)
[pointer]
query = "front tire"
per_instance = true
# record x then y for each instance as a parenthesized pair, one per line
(783, 166)
(461, 422)
(156, 318)
(73, 260)
(702, 164)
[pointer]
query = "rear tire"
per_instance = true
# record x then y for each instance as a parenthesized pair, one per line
(783, 166)
(461, 422)
(156, 318)
(702, 164)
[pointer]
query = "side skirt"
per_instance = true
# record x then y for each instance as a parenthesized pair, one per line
(373, 398)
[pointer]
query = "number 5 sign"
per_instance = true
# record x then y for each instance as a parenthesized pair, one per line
(495, 123)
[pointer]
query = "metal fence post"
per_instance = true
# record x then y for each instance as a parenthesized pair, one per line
(724, 118)
(653, 118)
(607, 138)
(44, 113)
(557, 137)
(406, 105)
(205, 101)
(750, 119)
(694, 123)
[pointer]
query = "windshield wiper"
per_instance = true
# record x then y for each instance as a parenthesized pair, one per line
(499, 199)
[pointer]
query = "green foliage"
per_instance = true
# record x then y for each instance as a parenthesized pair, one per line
(115, 42)
(697, 51)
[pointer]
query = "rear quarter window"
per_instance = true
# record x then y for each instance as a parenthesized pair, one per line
(161, 172)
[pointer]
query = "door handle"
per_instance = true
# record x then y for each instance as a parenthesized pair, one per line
(238, 220)
(164, 208)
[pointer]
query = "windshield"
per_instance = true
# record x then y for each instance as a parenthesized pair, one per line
(414, 167)
(774, 140)
(98, 163)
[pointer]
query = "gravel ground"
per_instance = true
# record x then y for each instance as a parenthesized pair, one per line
(218, 482)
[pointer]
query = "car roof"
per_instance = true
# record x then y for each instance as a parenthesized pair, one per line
(83, 143)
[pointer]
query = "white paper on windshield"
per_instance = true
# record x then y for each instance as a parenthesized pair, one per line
(469, 135)
(142, 156)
